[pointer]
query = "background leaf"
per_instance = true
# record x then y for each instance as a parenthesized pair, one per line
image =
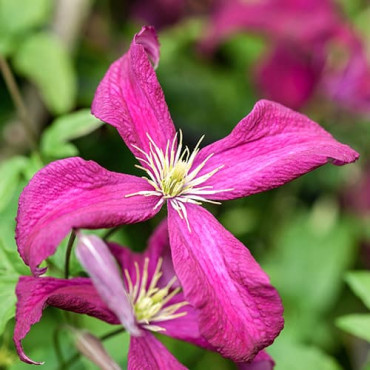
(10, 171)
(43, 59)
(356, 324)
(54, 141)
(292, 356)
(7, 298)
(359, 281)
(19, 16)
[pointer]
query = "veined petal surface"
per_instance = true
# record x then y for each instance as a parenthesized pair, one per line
(98, 261)
(269, 147)
(35, 294)
(74, 193)
(148, 353)
(130, 98)
(239, 311)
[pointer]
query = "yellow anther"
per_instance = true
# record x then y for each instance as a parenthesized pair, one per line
(150, 303)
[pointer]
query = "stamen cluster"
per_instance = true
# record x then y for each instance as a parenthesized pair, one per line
(172, 176)
(150, 301)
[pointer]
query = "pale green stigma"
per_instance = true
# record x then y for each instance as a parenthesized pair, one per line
(149, 301)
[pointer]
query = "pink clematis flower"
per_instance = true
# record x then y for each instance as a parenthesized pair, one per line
(301, 62)
(219, 277)
(141, 292)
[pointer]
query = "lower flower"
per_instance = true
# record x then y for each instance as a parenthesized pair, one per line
(139, 291)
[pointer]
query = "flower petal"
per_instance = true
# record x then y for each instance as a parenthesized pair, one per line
(289, 76)
(147, 352)
(35, 294)
(239, 311)
(130, 98)
(158, 247)
(263, 361)
(73, 193)
(280, 20)
(186, 327)
(98, 261)
(91, 347)
(268, 148)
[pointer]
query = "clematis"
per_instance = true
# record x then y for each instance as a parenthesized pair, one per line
(313, 50)
(141, 292)
(219, 277)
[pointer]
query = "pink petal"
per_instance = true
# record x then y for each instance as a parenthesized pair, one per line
(348, 84)
(92, 348)
(160, 13)
(280, 19)
(184, 328)
(268, 148)
(73, 193)
(158, 247)
(99, 263)
(147, 352)
(35, 294)
(262, 361)
(289, 76)
(130, 98)
(239, 311)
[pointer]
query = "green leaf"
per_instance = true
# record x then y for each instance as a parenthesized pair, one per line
(19, 16)
(290, 355)
(307, 264)
(359, 281)
(10, 261)
(54, 141)
(7, 298)
(356, 324)
(10, 171)
(43, 59)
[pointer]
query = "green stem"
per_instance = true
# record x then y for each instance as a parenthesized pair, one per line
(77, 355)
(57, 348)
(68, 254)
(110, 233)
(18, 101)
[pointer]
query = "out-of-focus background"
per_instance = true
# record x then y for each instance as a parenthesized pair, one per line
(218, 57)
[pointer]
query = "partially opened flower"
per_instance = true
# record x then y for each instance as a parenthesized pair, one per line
(269, 147)
(138, 290)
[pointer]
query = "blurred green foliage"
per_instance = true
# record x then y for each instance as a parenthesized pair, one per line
(304, 234)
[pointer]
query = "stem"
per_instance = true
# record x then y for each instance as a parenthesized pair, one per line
(77, 355)
(68, 254)
(110, 233)
(57, 348)
(18, 101)
(112, 334)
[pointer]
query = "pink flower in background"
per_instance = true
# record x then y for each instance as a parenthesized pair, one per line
(164, 13)
(219, 277)
(139, 291)
(159, 13)
(302, 60)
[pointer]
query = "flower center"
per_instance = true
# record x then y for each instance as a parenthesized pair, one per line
(151, 303)
(173, 177)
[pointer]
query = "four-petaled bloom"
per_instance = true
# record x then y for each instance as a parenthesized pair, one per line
(219, 277)
(140, 291)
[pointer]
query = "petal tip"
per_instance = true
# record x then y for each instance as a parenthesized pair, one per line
(147, 37)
